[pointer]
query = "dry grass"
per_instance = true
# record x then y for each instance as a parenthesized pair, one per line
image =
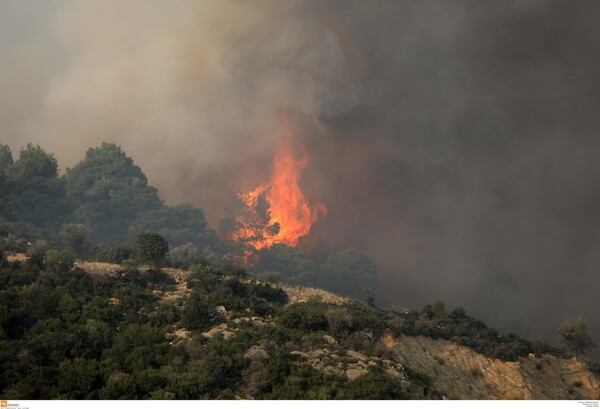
(12, 257)
(298, 294)
(96, 267)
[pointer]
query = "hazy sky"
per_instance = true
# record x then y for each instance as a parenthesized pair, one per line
(454, 142)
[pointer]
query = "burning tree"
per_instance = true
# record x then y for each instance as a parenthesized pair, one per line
(277, 211)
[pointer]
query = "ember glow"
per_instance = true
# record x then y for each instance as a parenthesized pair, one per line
(277, 211)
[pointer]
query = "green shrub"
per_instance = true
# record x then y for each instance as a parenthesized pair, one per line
(59, 261)
(114, 253)
(304, 316)
(198, 313)
(37, 253)
(151, 248)
(185, 256)
(375, 385)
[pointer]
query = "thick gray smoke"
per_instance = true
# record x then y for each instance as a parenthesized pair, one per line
(454, 142)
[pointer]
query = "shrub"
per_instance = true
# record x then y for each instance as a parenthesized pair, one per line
(304, 316)
(198, 313)
(158, 277)
(185, 255)
(339, 321)
(37, 253)
(574, 335)
(59, 261)
(151, 248)
(74, 238)
(374, 385)
(114, 253)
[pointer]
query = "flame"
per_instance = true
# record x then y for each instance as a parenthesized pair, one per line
(277, 211)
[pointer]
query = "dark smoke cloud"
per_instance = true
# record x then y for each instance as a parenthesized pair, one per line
(454, 142)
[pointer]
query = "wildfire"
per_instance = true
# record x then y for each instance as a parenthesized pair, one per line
(277, 211)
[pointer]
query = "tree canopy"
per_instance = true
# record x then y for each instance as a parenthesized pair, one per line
(33, 190)
(151, 248)
(349, 272)
(110, 191)
(575, 337)
(179, 225)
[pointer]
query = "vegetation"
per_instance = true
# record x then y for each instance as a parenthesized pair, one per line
(574, 335)
(103, 200)
(139, 333)
(151, 248)
(347, 272)
(66, 334)
(32, 190)
(435, 322)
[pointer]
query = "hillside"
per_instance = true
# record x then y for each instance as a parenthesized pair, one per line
(112, 332)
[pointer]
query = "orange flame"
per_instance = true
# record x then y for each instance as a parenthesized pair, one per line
(278, 212)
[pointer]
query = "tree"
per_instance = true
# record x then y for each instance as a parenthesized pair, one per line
(6, 158)
(110, 192)
(293, 264)
(185, 256)
(59, 262)
(151, 248)
(34, 187)
(574, 335)
(179, 225)
(349, 272)
(6, 161)
(74, 238)
(198, 314)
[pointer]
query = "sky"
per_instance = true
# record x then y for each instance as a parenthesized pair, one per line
(455, 143)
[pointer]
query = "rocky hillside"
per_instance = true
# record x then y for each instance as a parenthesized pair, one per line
(133, 333)
(426, 368)
(458, 372)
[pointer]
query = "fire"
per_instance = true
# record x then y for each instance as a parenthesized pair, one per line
(277, 211)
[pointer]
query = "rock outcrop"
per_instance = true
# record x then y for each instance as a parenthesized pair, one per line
(460, 373)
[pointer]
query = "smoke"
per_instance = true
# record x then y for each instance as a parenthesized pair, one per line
(191, 89)
(454, 142)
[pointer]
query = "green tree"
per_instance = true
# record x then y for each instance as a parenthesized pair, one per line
(6, 158)
(349, 272)
(198, 313)
(59, 261)
(37, 253)
(110, 192)
(575, 337)
(6, 201)
(74, 238)
(293, 264)
(185, 256)
(36, 190)
(179, 225)
(151, 248)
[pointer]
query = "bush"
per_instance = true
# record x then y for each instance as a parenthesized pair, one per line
(151, 248)
(37, 254)
(59, 261)
(339, 321)
(184, 256)
(158, 277)
(304, 316)
(114, 253)
(74, 238)
(198, 313)
(374, 385)
(574, 335)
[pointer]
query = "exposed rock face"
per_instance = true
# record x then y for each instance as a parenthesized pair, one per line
(460, 373)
